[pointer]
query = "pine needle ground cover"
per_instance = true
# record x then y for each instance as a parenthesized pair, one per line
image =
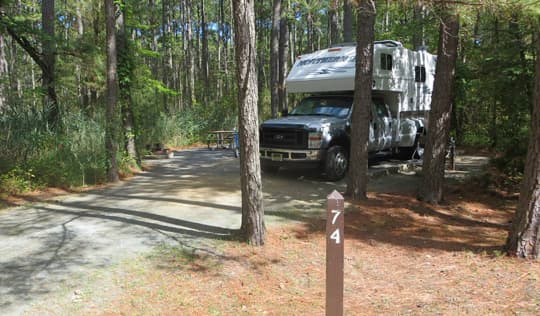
(402, 257)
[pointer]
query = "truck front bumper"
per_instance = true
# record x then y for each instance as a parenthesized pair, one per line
(291, 155)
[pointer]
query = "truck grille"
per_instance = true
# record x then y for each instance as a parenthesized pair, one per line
(284, 138)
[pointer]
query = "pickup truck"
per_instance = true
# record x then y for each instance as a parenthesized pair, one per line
(317, 134)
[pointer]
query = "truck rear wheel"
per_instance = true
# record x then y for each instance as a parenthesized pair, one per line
(336, 163)
(414, 152)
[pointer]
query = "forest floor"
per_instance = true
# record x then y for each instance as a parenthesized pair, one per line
(402, 256)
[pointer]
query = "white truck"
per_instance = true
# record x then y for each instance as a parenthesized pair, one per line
(316, 132)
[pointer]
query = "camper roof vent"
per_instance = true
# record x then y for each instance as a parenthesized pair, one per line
(389, 43)
(346, 44)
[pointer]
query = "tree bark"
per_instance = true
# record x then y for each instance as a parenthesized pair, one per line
(274, 58)
(50, 100)
(253, 228)
(431, 189)
(333, 21)
(523, 240)
(283, 58)
(81, 78)
(358, 171)
(4, 71)
(205, 56)
(418, 34)
(112, 92)
(125, 63)
(347, 21)
(166, 52)
(190, 56)
(386, 21)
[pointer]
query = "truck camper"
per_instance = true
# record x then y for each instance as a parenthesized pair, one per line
(317, 131)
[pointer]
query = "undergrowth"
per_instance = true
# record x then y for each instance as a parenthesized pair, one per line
(34, 155)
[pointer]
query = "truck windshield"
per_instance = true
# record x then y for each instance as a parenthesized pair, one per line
(326, 106)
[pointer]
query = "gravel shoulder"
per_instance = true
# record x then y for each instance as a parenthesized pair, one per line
(192, 200)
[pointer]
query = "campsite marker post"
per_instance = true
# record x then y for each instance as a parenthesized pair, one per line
(334, 254)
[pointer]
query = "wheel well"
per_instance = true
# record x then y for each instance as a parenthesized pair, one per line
(343, 142)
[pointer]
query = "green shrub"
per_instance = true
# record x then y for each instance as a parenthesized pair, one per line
(72, 155)
(186, 127)
(18, 181)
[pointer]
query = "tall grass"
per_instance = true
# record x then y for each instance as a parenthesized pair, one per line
(34, 154)
(188, 126)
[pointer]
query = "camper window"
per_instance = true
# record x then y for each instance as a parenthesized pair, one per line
(420, 74)
(386, 62)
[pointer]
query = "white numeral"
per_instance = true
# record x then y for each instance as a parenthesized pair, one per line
(336, 215)
(336, 236)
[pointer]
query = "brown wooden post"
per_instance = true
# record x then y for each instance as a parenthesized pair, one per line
(334, 254)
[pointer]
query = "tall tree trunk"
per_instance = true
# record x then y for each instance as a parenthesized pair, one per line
(166, 52)
(418, 34)
(227, 37)
(112, 92)
(50, 99)
(220, 36)
(252, 229)
(431, 189)
(204, 59)
(386, 21)
(293, 40)
(524, 238)
(333, 21)
(347, 21)
(309, 33)
(81, 77)
(125, 64)
(262, 54)
(190, 55)
(155, 48)
(4, 71)
(493, 109)
(358, 171)
(97, 27)
(283, 58)
(274, 58)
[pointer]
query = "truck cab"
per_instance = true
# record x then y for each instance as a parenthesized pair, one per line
(316, 134)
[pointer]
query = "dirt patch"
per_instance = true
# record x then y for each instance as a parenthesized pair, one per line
(401, 257)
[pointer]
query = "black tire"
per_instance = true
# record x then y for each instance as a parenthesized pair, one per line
(336, 163)
(414, 152)
(267, 168)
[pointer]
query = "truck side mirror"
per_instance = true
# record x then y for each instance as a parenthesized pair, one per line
(284, 112)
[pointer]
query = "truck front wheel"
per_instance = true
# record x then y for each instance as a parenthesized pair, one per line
(336, 163)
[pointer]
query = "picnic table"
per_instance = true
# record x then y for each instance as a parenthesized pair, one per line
(222, 139)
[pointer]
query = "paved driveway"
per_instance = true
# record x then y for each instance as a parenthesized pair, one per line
(190, 200)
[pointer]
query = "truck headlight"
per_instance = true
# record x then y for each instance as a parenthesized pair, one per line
(314, 140)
